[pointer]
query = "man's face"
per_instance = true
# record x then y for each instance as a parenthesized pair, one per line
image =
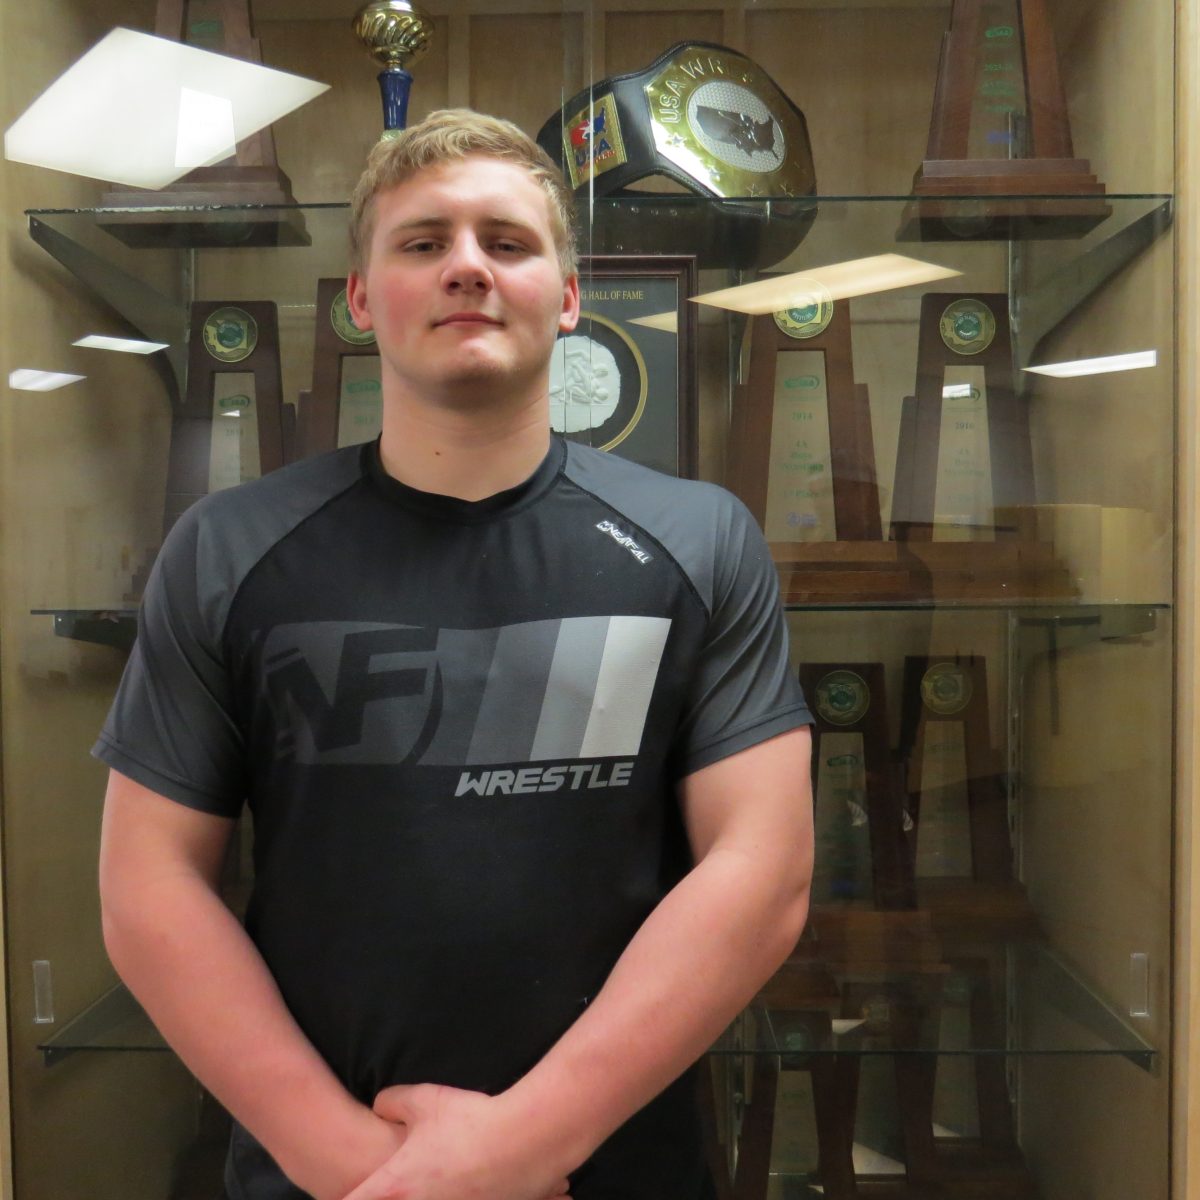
(462, 284)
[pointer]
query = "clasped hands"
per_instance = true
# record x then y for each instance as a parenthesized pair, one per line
(458, 1145)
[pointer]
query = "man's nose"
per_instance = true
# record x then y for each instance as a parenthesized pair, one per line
(467, 266)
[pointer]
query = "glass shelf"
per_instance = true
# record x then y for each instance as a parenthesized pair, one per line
(893, 1008)
(1048, 279)
(104, 627)
(945, 1007)
(114, 1022)
(1116, 619)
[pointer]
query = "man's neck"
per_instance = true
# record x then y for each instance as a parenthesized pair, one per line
(469, 454)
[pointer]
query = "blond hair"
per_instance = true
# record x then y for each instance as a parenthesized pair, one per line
(448, 136)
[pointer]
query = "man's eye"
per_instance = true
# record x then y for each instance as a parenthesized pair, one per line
(421, 247)
(508, 247)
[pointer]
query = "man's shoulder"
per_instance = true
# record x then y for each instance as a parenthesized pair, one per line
(223, 535)
(700, 525)
(622, 483)
(305, 484)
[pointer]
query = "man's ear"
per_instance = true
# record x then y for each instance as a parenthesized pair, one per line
(356, 299)
(569, 317)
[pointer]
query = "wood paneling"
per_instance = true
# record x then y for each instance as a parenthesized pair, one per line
(524, 66)
(632, 40)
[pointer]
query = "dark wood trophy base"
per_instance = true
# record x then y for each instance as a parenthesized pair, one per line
(989, 200)
(912, 572)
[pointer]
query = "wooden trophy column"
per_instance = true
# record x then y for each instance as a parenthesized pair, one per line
(964, 459)
(230, 427)
(345, 405)
(1000, 133)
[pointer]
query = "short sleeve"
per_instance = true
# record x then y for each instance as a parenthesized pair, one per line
(171, 727)
(743, 690)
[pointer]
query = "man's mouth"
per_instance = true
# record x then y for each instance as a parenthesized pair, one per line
(466, 318)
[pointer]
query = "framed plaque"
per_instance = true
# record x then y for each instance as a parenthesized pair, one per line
(1000, 132)
(230, 426)
(858, 811)
(964, 449)
(955, 796)
(803, 456)
(345, 405)
(624, 380)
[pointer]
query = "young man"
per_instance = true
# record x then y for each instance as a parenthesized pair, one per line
(515, 720)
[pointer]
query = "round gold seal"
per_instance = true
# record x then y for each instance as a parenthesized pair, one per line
(946, 688)
(967, 326)
(230, 334)
(808, 317)
(343, 323)
(842, 698)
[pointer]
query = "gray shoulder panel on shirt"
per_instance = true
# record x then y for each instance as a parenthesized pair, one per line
(689, 519)
(234, 529)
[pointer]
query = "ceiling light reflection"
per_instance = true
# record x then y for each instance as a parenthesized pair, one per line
(839, 281)
(100, 341)
(957, 391)
(1098, 366)
(143, 110)
(668, 322)
(26, 379)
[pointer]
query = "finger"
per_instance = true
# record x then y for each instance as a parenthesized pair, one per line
(396, 1104)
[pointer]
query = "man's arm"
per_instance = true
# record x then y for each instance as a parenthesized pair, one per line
(191, 965)
(697, 960)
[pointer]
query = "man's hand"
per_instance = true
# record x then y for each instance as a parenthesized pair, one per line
(460, 1146)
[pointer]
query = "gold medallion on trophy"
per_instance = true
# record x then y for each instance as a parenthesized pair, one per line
(343, 323)
(842, 698)
(230, 335)
(967, 326)
(808, 317)
(946, 688)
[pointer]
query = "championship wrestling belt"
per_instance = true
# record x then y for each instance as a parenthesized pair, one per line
(715, 122)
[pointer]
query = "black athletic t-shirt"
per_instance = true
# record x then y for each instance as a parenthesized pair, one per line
(458, 726)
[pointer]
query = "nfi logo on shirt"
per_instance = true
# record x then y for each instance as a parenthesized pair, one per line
(623, 539)
(535, 693)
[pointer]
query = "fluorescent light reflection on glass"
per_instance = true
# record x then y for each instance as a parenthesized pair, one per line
(143, 110)
(1098, 366)
(205, 128)
(26, 379)
(668, 322)
(838, 281)
(99, 341)
(957, 391)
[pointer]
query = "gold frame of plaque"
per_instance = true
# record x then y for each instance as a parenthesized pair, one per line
(820, 328)
(975, 72)
(250, 179)
(335, 339)
(252, 348)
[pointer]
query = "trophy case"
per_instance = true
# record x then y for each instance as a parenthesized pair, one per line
(976, 557)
